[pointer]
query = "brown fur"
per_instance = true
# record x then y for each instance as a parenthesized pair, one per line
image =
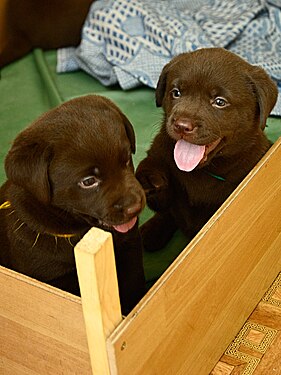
(87, 136)
(186, 200)
(28, 24)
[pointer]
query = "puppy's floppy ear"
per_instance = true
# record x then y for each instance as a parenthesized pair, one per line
(161, 86)
(162, 81)
(130, 133)
(27, 164)
(266, 92)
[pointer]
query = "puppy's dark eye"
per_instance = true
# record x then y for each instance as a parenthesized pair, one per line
(220, 102)
(176, 93)
(89, 182)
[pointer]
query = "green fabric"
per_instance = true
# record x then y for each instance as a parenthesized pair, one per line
(30, 86)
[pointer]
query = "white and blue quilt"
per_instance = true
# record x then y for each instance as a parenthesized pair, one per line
(127, 42)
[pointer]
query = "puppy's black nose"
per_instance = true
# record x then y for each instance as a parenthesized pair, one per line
(183, 125)
(134, 209)
(131, 210)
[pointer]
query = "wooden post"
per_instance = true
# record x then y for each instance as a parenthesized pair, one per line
(99, 294)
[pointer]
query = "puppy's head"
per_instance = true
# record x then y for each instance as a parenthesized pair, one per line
(214, 99)
(78, 158)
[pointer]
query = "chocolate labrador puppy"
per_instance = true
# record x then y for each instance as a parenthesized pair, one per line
(215, 109)
(69, 171)
(29, 24)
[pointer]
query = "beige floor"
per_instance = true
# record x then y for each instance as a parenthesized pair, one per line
(257, 347)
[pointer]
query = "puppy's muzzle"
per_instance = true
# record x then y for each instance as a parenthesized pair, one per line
(129, 210)
(126, 212)
(184, 126)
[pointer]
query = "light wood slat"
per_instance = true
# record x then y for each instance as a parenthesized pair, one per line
(42, 329)
(187, 319)
(99, 293)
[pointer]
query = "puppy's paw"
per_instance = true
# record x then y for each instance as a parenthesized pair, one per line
(151, 180)
(157, 232)
(156, 189)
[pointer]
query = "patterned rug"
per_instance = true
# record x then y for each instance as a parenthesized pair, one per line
(257, 347)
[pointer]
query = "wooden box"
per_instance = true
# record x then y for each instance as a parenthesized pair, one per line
(186, 320)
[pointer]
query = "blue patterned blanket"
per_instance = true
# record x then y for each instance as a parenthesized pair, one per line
(129, 41)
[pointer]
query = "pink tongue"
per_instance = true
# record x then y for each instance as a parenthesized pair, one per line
(123, 228)
(188, 155)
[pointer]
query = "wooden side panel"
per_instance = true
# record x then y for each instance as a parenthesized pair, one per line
(41, 329)
(195, 309)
